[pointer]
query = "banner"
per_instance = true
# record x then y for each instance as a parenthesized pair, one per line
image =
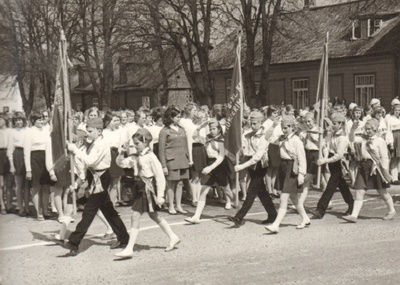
(233, 131)
(61, 120)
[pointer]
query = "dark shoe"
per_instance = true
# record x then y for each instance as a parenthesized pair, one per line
(22, 213)
(237, 221)
(118, 244)
(316, 215)
(70, 246)
(270, 220)
(277, 195)
(397, 182)
(50, 217)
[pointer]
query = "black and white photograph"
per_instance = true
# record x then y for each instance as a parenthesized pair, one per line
(199, 142)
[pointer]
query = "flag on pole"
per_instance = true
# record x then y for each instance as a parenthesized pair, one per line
(233, 131)
(322, 98)
(323, 84)
(61, 125)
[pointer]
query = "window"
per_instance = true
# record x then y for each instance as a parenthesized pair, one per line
(356, 30)
(300, 93)
(375, 25)
(364, 89)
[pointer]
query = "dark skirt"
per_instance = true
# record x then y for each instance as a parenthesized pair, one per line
(286, 179)
(155, 150)
(365, 180)
(19, 163)
(274, 155)
(140, 200)
(396, 143)
(199, 157)
(4, 163)
(312, 157)
(177, 174)
(40, 175)
(115, 170)
(218, 175)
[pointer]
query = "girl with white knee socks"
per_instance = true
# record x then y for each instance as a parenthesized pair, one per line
(215, 172)
(374, 171)
(149, 193)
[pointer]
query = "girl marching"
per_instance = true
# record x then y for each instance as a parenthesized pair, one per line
(215, 172)
(149, 191)
(291, 174)
(374, 171)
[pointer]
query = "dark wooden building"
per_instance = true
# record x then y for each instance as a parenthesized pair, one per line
(364, 55)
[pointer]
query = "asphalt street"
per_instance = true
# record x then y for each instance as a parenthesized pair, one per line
(330, 251)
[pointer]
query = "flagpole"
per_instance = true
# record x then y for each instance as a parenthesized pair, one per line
(67, 113)
(323, 99)
(239, 49)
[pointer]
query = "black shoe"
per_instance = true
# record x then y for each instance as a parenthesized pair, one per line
(316, 215)
(270, 220)
(50, 217)
(68, 245)
(118, 244)
(237, 221)
(277, 195)
(397, 182)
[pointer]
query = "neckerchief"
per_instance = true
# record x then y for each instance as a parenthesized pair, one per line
(386, 177)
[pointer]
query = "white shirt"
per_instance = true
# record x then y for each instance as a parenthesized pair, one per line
(16, 139)
(4, 137)
(337, 144)
(310, 138)
(99, 156)
(256, 146)
(385, 132)
(38, 139)
(379, 145)
(132, 129)
(155, 133)
(293, 148)
(393, 122)
(146, 165)
(114, 138)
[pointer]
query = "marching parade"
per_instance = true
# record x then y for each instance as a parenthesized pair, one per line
(134, 151)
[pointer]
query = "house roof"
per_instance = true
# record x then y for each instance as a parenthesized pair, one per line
(300, 35)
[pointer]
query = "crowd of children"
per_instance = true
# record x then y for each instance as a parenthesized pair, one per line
(157, 154)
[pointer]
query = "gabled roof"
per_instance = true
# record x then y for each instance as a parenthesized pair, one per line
(301, 35)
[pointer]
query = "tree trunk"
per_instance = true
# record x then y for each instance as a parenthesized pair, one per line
(269, 22)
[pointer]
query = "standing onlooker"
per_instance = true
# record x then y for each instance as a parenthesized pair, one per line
(174, 157)
(4, 162)
(114, 139)
(38, 162)
(15, 153)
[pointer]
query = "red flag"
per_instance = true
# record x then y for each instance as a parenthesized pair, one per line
(61, 116)
(233, 131)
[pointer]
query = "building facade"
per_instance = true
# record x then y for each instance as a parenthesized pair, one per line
(364, 55)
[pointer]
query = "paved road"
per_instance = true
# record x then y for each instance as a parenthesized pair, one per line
(330, 251)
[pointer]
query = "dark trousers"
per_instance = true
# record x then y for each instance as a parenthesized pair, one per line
(257, 188)
(94, 203)
(336, 180)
